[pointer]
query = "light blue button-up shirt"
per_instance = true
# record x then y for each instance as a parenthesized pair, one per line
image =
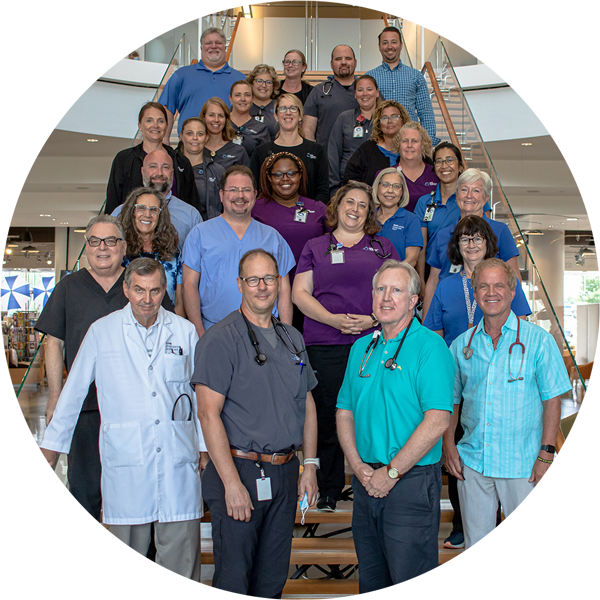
(503, 421)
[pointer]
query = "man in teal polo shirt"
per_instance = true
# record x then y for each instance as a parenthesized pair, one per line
(393, 407)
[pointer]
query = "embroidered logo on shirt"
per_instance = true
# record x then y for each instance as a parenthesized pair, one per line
(228, 156)
(430, 183)
(309, 155)
(368, 248)
(396, 227)
(212, 179)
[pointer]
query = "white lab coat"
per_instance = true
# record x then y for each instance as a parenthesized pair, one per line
(150, 468)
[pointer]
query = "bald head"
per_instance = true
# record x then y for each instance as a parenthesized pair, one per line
(157, 171)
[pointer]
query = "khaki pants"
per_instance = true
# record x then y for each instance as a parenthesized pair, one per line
(177, 544)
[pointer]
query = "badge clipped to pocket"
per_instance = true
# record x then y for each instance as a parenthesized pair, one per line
(359, 131)
(429, 212)
(237, 139)
(455, 268)
(300, 216)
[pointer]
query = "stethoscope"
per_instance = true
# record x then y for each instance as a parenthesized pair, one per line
(329, 81)
(189, 417)
(378, 253)
(468, 352)
(390, 363)
(260, 357)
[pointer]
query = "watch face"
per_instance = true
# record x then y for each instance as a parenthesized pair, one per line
(393, 473)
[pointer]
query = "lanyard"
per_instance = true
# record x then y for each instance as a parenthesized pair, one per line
(470, 307)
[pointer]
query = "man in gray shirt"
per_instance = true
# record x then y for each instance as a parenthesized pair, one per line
(253, 379)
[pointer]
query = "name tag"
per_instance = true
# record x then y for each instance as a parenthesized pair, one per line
(429, 213)
(300, 216)
(337, 257)
(237, 139)
(260, 119)
(454, 268)
(263, 489)
(359, 132)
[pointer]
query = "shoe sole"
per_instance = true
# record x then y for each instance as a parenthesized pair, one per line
(326, 509)
(456, 547)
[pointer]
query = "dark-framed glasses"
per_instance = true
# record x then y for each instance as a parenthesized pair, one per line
(449, 161)
(281, 174)
(254, 281)
(266, 82)
(142, 208)
(295, 62)
(291, 109)
(110, 241)
(476, 239)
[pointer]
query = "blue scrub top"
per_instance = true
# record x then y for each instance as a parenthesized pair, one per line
(214, 250)
(403, 230)
(438, 258)
(448, 310)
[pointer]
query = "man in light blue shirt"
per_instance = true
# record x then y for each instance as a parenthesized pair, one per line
(402, 83)
(510, 375)
(213, 250)
(190, 87)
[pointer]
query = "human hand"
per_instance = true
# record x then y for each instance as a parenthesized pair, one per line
(237, 500)
(50, 456)
(452, 460)
(308, 484)
(381, 483)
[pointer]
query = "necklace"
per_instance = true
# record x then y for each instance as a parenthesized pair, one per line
(470, 307)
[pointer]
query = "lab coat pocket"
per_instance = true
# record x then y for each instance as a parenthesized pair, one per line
(176, 368)
(185, 442)
(122, 445)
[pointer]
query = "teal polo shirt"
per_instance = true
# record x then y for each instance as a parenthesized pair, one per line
(389, 405)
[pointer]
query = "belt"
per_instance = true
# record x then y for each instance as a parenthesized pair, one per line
(277, 458)
(376, 466)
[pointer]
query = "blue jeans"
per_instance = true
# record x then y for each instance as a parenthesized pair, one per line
(396, 537)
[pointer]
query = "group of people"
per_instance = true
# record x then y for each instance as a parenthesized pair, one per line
(276, 260)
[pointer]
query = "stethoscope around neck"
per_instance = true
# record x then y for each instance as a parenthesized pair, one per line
(390, 363)
(468, 353)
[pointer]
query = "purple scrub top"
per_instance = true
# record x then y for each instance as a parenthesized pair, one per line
(423, 185)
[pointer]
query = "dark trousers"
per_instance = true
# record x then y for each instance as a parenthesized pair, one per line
(453, 482)
(84, 470)
(253, 558)
(396, 537)
(329, 364)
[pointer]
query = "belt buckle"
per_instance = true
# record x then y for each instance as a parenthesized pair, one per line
(280, 454)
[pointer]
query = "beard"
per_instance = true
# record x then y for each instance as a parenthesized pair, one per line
(162, 187)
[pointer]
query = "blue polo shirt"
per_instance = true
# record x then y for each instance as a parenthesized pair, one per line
(403, 230)
(438, 258)
(443, 215)
(190, 87)
(389, 405)
(503, 421)
(448, 309)
(214, 250)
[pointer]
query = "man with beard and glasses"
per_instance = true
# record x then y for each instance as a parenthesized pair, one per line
(332, 97)
(157, 173)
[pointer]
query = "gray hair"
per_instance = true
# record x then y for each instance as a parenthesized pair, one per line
(472, 175)
(105, 219)
(404, 199)
(144, 267)
(256, 252)
(210, 30)
(414, 286)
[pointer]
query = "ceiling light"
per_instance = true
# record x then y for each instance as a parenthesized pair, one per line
(45, 215)
(534, 232)
(12, 245)
(64, 223)
(28, 250)
(572, 219)
(8, 251)
(526, 144)
(79, 230)
(91, 140)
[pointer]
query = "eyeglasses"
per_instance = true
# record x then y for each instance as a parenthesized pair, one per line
(142, 208)
(386, 185)
(254, 281)
(465, 241)
(110, 241)
(266, 82)
(292, 109)
(295, 62)
(449, 161)
(236, 190)
(280, 174)
(385, 119)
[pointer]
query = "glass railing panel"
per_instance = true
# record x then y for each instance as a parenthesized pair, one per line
(474, 151)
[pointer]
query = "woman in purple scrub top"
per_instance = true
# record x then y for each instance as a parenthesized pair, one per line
(332, 287)
(284, 206)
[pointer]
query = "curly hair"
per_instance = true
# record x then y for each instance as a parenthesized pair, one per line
(258, 69)
(371, 226)
(376, 133)
(165, 238)
(296, 102)
(472, 225)
(426, 144)
(265, 183)
(228, 131)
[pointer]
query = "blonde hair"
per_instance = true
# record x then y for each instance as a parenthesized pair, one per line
(228, 132)
(426, 145)
(404, 199)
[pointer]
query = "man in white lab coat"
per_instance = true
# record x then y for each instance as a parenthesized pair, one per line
(141, 358)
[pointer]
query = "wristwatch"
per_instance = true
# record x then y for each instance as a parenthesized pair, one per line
(547, 448)
(393, 473)
(375, 321)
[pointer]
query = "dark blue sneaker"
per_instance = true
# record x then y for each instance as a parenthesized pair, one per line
(455, 540)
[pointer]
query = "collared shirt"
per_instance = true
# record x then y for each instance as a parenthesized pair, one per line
(408, 87)
(438, 258)
(389, 405)
(190, 87)
(149, 335)
(503, 421)
(325, 103)
(183, 216)
(214, 250)
(402, 229)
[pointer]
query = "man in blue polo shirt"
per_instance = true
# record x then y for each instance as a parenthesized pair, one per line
(510, 375)
(190, 87)
(393, 407)
(402, 83)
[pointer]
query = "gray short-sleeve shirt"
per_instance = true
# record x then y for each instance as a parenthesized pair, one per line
(264, 405)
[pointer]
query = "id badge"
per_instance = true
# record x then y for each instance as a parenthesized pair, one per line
(300, 216)
(454, 268)
(237, 139)
(263, 489)
(259, 118)
(359, 131)
(337, 257)
(428, 216)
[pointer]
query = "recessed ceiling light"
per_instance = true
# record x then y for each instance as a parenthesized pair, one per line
(522, 143)
(572, 219)
(92, 140)
(8, 251)
(64, 223)
(45, 215)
